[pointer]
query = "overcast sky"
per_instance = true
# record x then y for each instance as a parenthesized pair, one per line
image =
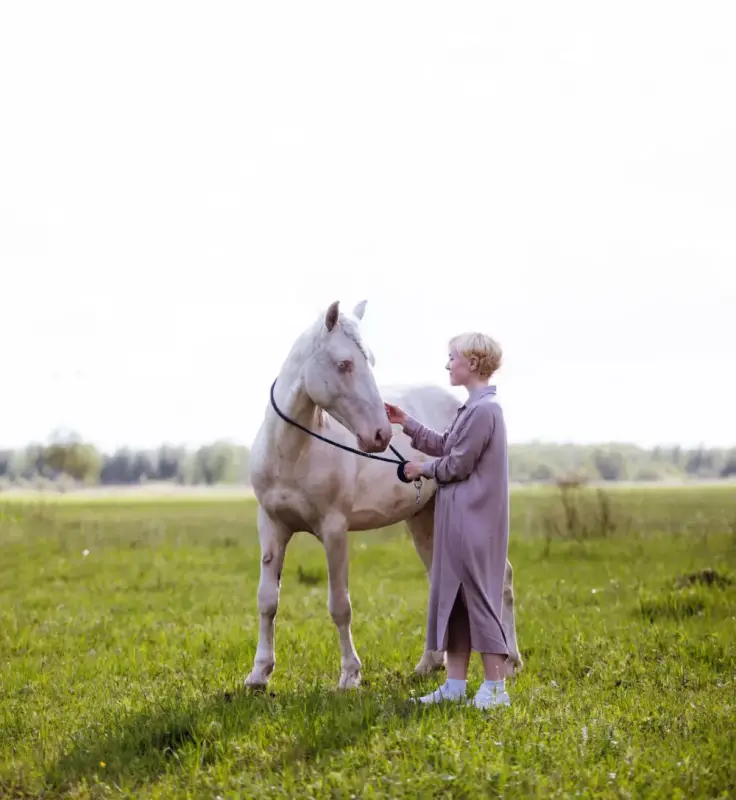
(184, 186)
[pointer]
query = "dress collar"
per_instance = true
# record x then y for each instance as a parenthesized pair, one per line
(477, 394)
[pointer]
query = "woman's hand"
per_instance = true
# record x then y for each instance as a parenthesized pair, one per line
(395, 414)
(413, 470)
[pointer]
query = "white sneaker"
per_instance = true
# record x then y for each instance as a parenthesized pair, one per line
(487, 698)
(440, 695)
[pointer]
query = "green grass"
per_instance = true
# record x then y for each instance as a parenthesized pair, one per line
(121, 671)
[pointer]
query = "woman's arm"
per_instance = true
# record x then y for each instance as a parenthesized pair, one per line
(473, 437)
(425, 439)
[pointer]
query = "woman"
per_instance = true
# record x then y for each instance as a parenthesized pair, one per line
(471, 529)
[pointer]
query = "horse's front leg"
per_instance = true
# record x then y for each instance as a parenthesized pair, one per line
(274, 537)
(334, 539)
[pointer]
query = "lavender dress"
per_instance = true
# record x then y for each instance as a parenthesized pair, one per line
(471, 519)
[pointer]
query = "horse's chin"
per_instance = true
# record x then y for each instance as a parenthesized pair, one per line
(363, 447)
(367, 449)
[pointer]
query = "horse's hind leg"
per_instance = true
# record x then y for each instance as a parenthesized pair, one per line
(274, 537)
(514, 663)
(421, 527)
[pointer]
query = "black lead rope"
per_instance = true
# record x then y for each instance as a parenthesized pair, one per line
(401, 460)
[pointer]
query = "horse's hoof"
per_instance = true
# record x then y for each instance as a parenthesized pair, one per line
(256, 680)
(513, 668)
(349, 680)
(430, 662)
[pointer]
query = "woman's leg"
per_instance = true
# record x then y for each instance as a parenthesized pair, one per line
(458, 656)
(492, 691)
(494, 666)
(458, 640)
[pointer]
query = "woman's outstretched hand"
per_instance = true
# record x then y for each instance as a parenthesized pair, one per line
(395, 414)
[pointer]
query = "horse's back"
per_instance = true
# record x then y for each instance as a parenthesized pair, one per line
(431, 405)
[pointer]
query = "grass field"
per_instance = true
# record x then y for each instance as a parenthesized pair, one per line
(127, 627)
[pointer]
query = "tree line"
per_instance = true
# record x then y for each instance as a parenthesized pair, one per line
(68, 459)
(75, 461)
(539, 462)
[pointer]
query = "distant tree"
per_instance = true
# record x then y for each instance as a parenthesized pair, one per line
(217, 463)
(68, 455)
(694, 462)
(647, 473)
(168, 462)
(5, 459)
(542, 472)
(729, 468)
(26, 463)
(609, 464)
(118, 468)
(142, 468)
(186, 469)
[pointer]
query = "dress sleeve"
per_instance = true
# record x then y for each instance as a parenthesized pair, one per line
(474, 436)
(425, 439)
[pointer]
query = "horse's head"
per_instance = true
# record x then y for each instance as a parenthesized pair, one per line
(339, 378)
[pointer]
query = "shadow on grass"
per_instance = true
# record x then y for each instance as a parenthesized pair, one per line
(287, 727)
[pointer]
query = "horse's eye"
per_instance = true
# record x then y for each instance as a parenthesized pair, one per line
(345, 366)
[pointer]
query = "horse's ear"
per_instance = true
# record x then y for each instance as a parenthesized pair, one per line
(359, 310)
(331, 317)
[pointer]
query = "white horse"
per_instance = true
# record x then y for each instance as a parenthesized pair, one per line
(326, 385)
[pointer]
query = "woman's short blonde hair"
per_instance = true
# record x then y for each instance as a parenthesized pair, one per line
(485, 350)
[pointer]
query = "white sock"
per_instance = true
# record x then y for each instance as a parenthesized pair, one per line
(495, 686)
(455, 686)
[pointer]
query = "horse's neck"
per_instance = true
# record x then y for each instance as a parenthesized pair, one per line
(294, 402)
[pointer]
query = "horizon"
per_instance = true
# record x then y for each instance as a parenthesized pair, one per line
(538, 443)
(562, 180)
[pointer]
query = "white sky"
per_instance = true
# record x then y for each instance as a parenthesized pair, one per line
(560, 175)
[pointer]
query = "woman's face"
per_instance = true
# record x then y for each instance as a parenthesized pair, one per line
(459, 368)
